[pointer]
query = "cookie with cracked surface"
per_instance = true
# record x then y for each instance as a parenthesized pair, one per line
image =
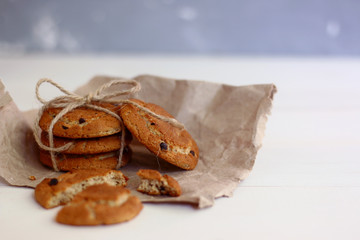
(68, 162)
(82, 122)
(170, 143)
(153, 183)
(89, 145)
(100, 204)
(52, 192)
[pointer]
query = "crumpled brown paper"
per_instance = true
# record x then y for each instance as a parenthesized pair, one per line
(227, 122)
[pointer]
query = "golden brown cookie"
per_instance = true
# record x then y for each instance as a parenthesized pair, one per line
(154, 184)
(100, 204)
(52, 192)
(67, 162)
(172, 144)
(89, 145)
(82, 122)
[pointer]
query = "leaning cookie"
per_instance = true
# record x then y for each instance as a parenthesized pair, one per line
(88, 145)
(82, 122)
(153, 183)
(68, 162)
(52, 192)
(170, 143)
(100, 204)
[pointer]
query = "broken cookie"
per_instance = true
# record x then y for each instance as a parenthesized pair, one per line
(100, 204)
(52, 192)
(153, 183)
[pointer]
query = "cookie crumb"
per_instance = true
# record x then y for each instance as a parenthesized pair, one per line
(32, 178)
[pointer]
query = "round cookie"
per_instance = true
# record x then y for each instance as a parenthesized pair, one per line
(68, 162)
(82, 122)
(100, 204)
(170, 143)
(89, 145)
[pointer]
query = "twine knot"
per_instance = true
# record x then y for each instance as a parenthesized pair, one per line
(88, 98)
(71, 101)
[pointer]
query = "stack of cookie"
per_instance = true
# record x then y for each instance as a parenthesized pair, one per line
(96, 138)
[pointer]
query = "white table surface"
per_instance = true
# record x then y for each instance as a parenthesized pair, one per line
(306, 180)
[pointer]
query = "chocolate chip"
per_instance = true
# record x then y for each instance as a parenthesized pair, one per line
(163, 146)
(192, 152)
(81, 120)
(152, 124)
(53, 182)
(162, 189)
(64, 127)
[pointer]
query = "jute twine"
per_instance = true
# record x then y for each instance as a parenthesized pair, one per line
(70, 101)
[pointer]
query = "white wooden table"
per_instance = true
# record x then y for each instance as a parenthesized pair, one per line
(306, 180)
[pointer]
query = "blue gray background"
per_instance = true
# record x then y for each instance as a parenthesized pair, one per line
(229, 27)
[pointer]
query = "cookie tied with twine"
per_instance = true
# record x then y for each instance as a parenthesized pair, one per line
(93, 100)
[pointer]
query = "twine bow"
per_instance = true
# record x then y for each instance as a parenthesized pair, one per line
(71, 101)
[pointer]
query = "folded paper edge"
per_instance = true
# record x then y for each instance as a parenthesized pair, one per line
(5, 97)
(266, 104)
